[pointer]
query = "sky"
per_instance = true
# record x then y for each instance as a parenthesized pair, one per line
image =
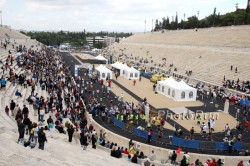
(104, 15)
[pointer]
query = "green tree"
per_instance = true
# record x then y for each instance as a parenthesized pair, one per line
(247, 13)
(214, 16)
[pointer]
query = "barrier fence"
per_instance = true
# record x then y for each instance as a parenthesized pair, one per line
(180, 142)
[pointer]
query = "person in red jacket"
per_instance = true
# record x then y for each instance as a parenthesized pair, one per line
(213, 163)
(246, 125)
(240, 163)
(125, 151)
(134, 82)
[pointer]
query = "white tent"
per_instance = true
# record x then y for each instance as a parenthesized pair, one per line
(104, 72)
(132, 73)
(178, 91)
(116, 64)
(100, 57)
(120, 67)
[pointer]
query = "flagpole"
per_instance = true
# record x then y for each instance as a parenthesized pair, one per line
(1, 17)
(145, 27)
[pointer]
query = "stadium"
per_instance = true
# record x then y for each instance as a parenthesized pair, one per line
(163, 97)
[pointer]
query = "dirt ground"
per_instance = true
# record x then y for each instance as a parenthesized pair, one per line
(145, 89)
(220, 123)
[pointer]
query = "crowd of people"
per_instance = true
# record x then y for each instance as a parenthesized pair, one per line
(68, 97)
(242, 86)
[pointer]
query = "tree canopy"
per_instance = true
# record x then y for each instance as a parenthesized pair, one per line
(238, 17)
(76, 39)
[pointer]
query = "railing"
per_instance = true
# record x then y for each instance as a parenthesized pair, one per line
(184, 143)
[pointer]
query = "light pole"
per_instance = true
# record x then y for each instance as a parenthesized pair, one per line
(198, 12)
(236, 6)
(172, 22)
(145, 27)
(152, 25)
(1, 17)
(184, 20)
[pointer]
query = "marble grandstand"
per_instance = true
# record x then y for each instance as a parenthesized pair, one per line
(58, 151)
(12, 153)
(208, 53)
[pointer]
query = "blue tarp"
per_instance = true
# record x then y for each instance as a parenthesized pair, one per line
(143, 134)
(185, 143)
(224, 146)
(117, 122)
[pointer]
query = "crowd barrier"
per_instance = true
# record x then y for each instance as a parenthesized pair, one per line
(224, 146)
(118, 123)
(193, 144)
(180, 142)
(143, 134)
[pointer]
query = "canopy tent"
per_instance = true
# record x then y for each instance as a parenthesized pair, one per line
(100, 57)
(178, 91)
(132, 73)
(104, 72)
(120, 68)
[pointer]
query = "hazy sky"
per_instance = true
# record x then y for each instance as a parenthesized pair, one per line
(107, 15)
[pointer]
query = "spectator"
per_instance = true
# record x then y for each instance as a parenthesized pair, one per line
(70, 131)
(21, 131)
(213, 163)
(134, 159)
(94, 141)
(183, 161)
(152, 156)
(173, 157)
(41, 138)
(18, 94)
(12, 107)
(76, 136)
(125, 151)
(240, 163)
(118, 153)
(7, 110)
(112, 153)
(141, 156)
(219, 162)
(83, 140)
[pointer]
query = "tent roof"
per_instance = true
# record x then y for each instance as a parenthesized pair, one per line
(102, 68)
(117, 64)
(100, 57)
(175, 84)
(134, 69)
(184, 85)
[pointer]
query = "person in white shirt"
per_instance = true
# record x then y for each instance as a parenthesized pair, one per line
(204, 131)
(226, 128)
(152, 156)
(212, 123)
(42, 112)
(248, 163)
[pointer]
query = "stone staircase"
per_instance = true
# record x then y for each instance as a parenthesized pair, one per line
(58, 151)
(219, 48)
